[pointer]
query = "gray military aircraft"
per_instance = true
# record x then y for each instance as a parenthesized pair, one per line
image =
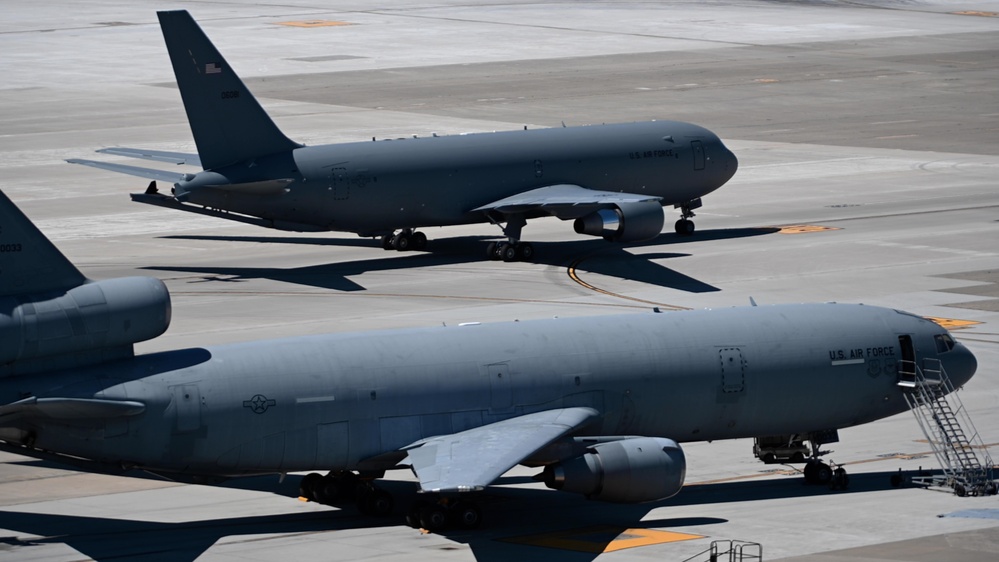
(611, 180)
(599, 404)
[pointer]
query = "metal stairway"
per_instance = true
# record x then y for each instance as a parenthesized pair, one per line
(967, 466)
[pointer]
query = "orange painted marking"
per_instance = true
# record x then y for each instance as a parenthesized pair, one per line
(976, 13)
(804, 228)
(952, 323)
(604, 538)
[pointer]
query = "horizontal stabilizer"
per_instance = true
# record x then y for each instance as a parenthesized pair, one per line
(70, 409)
(562, 200)
(473, 459)
(148, 173)
(155, 155)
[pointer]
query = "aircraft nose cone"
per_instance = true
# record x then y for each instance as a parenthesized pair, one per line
(960, 364)
(728, 163)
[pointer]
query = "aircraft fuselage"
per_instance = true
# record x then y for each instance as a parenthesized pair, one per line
(341, 400)
(437, 181)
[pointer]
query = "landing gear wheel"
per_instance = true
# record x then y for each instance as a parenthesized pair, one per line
(307, 486)
(492, 251)
(329, 491)
(402, 241)
(684, 227)
(413, 516)
(387, 242)
(433, 518)
(525, 251)
(818, 473)
(508, 252)
(419, 241)
(466, 515)
(839, 480)
(375, 502)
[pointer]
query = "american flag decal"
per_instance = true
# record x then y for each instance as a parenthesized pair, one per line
(213, 68)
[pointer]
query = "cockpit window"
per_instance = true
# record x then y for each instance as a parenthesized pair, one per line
(944, 342)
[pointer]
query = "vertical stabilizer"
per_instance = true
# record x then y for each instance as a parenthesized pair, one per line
(29, 263)
(228, 123)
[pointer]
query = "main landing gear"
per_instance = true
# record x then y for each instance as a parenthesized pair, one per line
(405, 240)
(685, 226)
(819, 473)
(338, 488)
(444, 513)
(513, 249)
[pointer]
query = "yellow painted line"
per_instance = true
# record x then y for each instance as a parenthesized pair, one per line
(599, 539)
(976, 13)
(952, 323)
(575, 277)
(890, 137)
(314, 23)
(766, 80)
(804, 228)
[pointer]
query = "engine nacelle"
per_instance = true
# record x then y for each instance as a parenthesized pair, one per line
(95, 315)
(627, 222)
(638, 469)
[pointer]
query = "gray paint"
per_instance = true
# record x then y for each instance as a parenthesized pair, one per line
(254, 173)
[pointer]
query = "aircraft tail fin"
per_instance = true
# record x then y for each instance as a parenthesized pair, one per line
(29, 262)
(227, 122)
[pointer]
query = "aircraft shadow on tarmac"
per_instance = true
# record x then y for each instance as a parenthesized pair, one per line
(594, 256)
(511, 513)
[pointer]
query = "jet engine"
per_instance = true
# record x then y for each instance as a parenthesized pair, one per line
(637, 469)
(626, 222)
(96, 315)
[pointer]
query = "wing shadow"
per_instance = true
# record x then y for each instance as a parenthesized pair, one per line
(598, 256)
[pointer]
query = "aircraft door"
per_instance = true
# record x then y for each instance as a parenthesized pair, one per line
(697, 147)
(499, 387)
(187, 408)
(907, 365)
(733, 370)
(339, 185)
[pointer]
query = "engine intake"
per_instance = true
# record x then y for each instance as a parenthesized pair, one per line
(638, 469)
(626, 222)
(95, 315)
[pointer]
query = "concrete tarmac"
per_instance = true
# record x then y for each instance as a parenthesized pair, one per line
(868, 140)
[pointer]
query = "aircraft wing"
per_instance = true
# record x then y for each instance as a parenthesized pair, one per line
(155, 155)
(562, 200)
(148, 173)
(473, 459)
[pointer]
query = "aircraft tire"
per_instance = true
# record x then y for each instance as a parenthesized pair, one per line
(387, 242)
(307, 486)
(466, 515)
(525, 251)
(419, 241)
(492, 251)
(375, 502)
(433, 518)
(684, 227)
(329, 490)
(402, 242)
(508, 252)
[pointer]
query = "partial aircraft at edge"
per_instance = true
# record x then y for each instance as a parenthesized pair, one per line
(611, 180)
(598, 404)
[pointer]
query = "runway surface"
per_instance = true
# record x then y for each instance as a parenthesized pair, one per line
(868, 139)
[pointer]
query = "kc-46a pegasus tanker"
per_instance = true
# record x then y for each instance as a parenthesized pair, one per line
(600, 405)
(610, 180)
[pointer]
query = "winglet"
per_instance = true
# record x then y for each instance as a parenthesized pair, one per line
(227, 122)
(29, 262)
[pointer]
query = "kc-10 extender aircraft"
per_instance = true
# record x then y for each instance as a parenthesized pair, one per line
(611, 180)
(599, 404)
